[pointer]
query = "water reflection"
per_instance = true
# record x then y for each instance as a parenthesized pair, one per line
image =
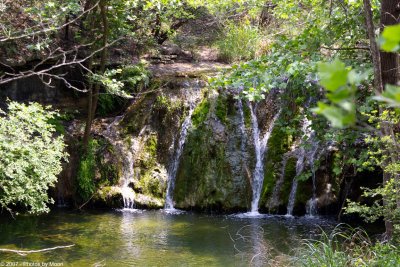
(156, 238)
(250, 244)
(128, 235)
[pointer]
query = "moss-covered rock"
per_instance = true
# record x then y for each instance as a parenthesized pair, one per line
(200, 113)
(111, 196)
(212, 173)
(108, 196)
(278, 145)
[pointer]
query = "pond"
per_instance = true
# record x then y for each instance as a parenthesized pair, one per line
(154, 238)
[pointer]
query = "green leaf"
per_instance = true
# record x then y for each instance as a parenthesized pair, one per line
(337, 116)
(342, 94)
(390, 38)
(356, 78)
(390, 96)
(333, 75)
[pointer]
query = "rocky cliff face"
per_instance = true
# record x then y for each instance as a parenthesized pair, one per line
(217, 165)
(216, 168)
(32, 89)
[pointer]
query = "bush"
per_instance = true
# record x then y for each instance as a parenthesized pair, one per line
(30, 156)
(86, 171)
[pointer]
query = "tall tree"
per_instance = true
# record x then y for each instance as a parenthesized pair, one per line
(386, 71)
(390, 13)
(389, 67)
(95, 90)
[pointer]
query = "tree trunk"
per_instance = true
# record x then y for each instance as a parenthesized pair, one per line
(94, 91)
(376, 58)
(390, 12)
(385, 72)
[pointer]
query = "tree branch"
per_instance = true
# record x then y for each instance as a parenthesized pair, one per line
(347, 48)
(26, 252)
(46, 30)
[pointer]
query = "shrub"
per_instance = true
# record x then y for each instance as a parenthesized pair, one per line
(86, 171)
(30, 156)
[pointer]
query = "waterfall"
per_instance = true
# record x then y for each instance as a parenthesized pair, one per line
(293, 191)
(260, 146)
(173, 168)
(309, 137)
(127, 174)
(112, 136)
(312, 203)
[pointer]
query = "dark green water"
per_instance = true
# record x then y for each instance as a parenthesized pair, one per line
(153, 238)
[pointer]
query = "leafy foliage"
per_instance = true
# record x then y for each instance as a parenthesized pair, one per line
(390, 38)
(30, 156)
(383, 143)
(86, 171)
(121, 84)
(341, 83)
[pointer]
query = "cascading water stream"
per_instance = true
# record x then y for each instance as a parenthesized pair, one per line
(293, 191)
(127, 163)
(127, 174)
(308, 136)
(312, 203)
(173, 168)
(260, 146)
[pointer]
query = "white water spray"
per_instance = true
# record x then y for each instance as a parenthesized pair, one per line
(260, 147)
(173, 168)
(312, 203)
(303, 155)
(112, 135)
(293, 191)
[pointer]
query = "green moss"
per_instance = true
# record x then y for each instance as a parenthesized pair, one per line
(200, 113)
(290, 173)
(163, 102)
(151, 185)
(109, 196)
(86, 171)
(278, 144)
(109, 174)
(137, 115)
(108, 167)
(247, 116)
(150, 149)
(221, 108)
(151, 145)
(204, 176)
